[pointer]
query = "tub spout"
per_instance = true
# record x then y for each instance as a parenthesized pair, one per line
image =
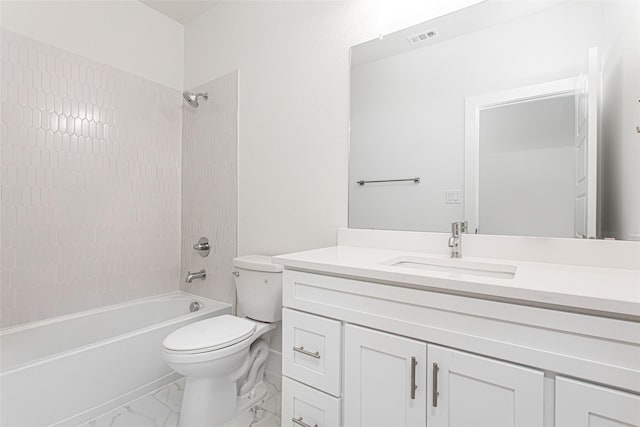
(201, 275)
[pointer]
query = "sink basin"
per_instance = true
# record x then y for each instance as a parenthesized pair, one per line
(500, 271)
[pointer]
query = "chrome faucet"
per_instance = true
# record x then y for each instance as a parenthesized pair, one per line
(455, 241)
(201, 275)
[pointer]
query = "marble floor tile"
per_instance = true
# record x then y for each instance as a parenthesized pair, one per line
(255, 418)
(272, 402)
(268, 421)
(171, 395)
(161, 408)
(143, 412)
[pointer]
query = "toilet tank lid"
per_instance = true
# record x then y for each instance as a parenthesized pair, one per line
(257, 263)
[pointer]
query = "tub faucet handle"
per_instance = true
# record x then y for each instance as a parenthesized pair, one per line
(202, 246)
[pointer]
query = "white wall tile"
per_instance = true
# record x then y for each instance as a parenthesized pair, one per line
(209, 187)
(90, 183)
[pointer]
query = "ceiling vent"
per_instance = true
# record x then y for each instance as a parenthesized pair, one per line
(423, 36)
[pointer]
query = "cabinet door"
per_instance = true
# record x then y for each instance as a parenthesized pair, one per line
(468, 390)
(580, 404)
(385, 379)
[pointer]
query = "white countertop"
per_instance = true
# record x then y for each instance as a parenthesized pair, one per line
(593, 289)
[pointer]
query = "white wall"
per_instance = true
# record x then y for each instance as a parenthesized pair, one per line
(293, 62)
(124, 34)
(620, 150)
(408, 109)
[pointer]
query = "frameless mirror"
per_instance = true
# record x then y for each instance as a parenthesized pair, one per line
(518, 117)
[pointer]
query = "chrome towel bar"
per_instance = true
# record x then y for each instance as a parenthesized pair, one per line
(416, 180)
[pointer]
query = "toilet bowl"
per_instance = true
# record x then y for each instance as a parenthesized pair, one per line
(223, 358)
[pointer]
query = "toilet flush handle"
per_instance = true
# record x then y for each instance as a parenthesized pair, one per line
(236, 273)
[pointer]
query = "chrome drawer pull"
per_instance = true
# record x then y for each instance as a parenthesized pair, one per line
(315, 355)
(300, 423)
(414, 362)
(435, 385)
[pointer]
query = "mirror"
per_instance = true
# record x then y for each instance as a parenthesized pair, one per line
(518, 117)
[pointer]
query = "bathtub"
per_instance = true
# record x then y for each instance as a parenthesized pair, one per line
(70, 369)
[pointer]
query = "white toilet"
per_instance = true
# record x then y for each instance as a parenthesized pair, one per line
(223, 358)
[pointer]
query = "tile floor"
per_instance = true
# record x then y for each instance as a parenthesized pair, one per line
(162, 409)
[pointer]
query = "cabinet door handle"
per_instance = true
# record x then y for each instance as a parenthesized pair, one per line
(435, 385)
(414, 363)
(302, 423)
(315, 354)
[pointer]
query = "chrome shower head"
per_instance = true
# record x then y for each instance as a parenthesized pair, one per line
(192, 98)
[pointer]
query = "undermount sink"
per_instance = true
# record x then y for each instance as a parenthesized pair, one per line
(500, 271)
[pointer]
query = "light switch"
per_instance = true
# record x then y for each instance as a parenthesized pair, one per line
(452, 197)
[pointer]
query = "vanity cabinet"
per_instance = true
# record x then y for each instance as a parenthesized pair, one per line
(468, 361)
(304, 406)
(396, 381)
(579, 404)
(384, 379)
(311, 350)
(470, 390)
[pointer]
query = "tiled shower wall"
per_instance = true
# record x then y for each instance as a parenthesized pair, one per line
(90, 183)
(209, 187)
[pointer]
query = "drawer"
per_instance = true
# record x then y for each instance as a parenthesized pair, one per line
(304, 406)
(311, 350)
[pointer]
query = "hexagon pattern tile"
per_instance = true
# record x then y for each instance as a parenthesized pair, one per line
(209, 187)
(90, 160)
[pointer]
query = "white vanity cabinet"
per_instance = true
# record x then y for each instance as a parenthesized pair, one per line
(469, 361)
(469, 390)
(312, 369)
(311, 350)
(384, 379)
(304, 406)
(579, 404)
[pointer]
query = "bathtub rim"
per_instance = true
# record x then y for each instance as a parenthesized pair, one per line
(42, 360)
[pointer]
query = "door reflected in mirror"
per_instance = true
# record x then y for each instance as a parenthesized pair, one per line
(527, 169)
(518, 117)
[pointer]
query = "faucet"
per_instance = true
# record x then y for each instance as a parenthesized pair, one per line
(201, 275)
(455, 242)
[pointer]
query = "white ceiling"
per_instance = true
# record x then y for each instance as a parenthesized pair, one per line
(182, 11)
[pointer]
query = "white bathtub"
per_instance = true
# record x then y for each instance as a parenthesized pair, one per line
(70, 369)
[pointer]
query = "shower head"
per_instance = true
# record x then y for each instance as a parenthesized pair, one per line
(192, 98)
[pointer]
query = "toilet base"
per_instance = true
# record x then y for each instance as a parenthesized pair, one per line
(211, 400)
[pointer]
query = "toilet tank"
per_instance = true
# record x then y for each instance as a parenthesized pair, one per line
(259, 287)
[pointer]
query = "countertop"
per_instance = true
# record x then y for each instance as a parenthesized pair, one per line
(592, 290)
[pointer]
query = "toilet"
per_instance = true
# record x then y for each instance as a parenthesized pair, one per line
(223, 358)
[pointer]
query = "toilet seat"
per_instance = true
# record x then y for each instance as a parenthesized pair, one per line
(209, 335)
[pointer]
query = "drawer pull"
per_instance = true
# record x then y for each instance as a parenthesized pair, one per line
(414, 362)
(435, 385)
(301, 423)
(315, 355)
